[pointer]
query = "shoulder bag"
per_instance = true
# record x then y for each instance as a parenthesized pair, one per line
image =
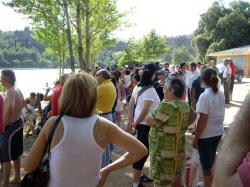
(40, 177)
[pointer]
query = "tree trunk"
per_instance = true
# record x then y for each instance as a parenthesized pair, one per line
(63, 59)
(60, 64)
(79, 33)
(68, 30)
(87, 35)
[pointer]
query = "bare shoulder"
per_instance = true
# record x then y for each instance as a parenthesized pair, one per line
(48, 125)
(10, 93)
(106, 124)
(19, 93)
(14, 93)
(108, 129)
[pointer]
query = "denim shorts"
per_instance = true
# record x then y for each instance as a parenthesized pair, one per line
(207, 150)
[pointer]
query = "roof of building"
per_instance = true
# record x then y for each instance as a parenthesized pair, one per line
(244, 50)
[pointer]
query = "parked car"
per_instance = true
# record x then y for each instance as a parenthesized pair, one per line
(239, 74)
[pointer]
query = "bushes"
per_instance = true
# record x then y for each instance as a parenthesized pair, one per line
(2, 89)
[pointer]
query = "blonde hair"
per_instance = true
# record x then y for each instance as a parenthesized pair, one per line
(79, 96)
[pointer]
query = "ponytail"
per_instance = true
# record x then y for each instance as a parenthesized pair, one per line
(209, 76)
(214, 83)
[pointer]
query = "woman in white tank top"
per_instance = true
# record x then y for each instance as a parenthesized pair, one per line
(80, 138)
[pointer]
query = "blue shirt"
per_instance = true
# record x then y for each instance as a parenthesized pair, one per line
(197, 88)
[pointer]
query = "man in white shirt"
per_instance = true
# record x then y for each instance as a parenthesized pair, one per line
(194, 74)
(226, 80)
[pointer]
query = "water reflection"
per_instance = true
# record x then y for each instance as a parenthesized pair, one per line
(35, 80)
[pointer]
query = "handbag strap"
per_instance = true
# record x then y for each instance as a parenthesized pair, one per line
(51, 134)
(143, 89)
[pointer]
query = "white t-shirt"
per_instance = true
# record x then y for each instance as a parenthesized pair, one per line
(187, 76)
(193, 76)
(227, 72)
(221, 68)
(213, 105)
(148, 95)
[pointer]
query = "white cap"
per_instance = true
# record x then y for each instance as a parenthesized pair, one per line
(126, 66)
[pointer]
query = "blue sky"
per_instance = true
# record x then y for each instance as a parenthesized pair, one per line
(167, 17)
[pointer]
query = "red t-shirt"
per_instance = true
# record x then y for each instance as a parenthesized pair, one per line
(1, 114)
(233, 69)
(55, 100)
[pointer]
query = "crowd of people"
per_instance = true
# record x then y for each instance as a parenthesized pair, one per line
(162, 103)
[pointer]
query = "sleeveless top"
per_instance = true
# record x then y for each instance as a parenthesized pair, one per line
(76, 159)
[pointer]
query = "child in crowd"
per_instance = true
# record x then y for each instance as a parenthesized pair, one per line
(34, 101)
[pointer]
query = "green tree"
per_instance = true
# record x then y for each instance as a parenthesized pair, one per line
(210, 18)
(181, 55)
(153, 48)
(103, 19)
(127, 58)
(201, 43)
(90, 22)
(234, 28)
(49, 25)
(216, 46)
(222, 28)
(241, 6)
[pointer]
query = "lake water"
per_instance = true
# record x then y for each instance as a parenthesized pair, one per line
(34, 80)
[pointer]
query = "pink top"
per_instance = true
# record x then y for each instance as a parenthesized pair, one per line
(1, 114)
(244, 171)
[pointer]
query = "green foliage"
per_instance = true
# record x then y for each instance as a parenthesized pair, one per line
(181, 55)
(241, 6)
(216, 46)
(110, 58)
(127, 58)
(18, 49)
(111, 55)
(201, 43)
(58, 23)
(2, 88)
(234, 28)
(151, 48)
(222, 28)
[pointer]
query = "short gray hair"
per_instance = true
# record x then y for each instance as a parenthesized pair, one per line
(177, 85)
(161, 72)
(9, 76)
